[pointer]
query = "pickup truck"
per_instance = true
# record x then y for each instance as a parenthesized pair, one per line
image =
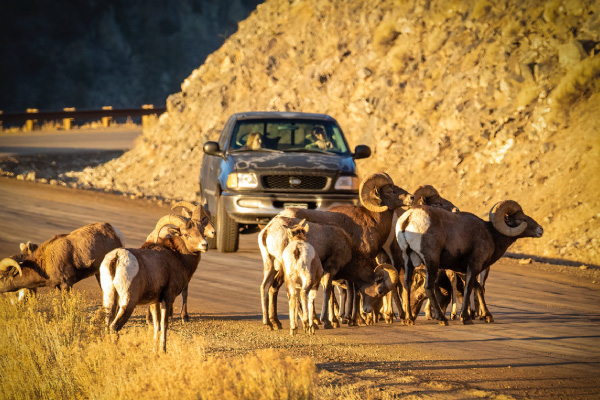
(265, 162)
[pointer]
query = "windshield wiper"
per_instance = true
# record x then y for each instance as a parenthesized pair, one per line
(303, 150)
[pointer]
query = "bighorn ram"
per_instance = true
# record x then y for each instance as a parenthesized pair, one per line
(338, 255)
(461, 242)
(369, 225)
(154, 274)
(202, 216)
(62, 260)
(19, 295)
(302, 268)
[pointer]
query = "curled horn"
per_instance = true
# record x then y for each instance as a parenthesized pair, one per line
(6, 263)
(368, 185)
(177, 220)
(499, 211)
(188, 207)
(425, 191)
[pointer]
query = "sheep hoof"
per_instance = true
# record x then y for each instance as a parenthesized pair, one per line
(452, 317)
(186, 318)
(276, 325)
(408, 322)
(311, 330)
(489, 319)
(467, 321)
(293, 331)
(327, 325)
(444, 322)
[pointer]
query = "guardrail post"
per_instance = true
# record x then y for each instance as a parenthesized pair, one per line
(1, 121)
(31, 124)
(106, 120)
(145, 117)
(67, 121)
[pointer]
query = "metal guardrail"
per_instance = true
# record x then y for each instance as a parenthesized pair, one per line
(106, 114)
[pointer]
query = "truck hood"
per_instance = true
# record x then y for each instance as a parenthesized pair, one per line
(257, 161)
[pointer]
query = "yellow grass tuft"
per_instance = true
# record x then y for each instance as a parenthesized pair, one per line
(55, 347)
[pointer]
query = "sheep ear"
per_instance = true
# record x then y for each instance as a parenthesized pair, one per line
(24, 248)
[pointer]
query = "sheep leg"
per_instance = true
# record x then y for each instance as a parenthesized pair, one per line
(110, 305)
(307, 310)
(428, 310)
(454, 286)
(273, 293)
(465, 315)
(312, 295)
(409, 269)
(265, 286)
(154, 310)
(125, 311)
(184, 313)
(293, 307)
(430, 291)
(332, 316)
(483, 310)
(350, 293)
(342, 310)
(165, 309)
(327, 286)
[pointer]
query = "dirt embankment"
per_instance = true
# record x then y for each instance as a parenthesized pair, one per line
(484, 100)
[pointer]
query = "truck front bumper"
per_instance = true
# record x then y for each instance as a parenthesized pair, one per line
(260, 208)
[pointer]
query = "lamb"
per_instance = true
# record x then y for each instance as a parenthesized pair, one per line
(369, 225)
(339, 258)
(302, 267)
(201, 215)
(61, 261)
(154, 274)
(461, 242)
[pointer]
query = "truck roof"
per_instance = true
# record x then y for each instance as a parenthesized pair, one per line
(281, 115)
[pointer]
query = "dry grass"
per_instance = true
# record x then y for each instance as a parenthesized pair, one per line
(54, 347)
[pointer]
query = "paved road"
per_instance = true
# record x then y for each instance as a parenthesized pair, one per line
(545, 342)
(67, 142)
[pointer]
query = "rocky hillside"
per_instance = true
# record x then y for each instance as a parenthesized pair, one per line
(485, 100)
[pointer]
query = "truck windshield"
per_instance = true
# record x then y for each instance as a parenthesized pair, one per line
(288, 135)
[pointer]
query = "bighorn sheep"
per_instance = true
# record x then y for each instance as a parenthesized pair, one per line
(338, 255)
(369, 225)
(154, 274)
(20, 295)
(302, 268)
(461, 242)
(202, 215)
(62, 260)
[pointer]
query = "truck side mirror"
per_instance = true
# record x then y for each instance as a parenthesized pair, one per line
(212, 149)
(361, 151)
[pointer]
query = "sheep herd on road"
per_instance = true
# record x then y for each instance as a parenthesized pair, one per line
(395, 248)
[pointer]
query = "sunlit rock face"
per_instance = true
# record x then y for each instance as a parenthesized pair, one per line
(484, 100)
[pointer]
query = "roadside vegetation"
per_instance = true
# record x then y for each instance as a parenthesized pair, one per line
(55, 346)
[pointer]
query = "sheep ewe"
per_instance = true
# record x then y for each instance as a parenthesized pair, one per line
(461, 242)
(338, 256)
(302, 268)
(61, 261)
(154, 274)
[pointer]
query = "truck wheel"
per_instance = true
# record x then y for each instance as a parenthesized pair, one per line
(227, 230)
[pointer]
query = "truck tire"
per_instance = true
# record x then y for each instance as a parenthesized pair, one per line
(227, 230)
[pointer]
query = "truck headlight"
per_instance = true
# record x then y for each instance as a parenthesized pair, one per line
(346, 183)
(237, 180)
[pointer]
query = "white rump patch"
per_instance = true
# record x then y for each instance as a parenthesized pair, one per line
(126, 269)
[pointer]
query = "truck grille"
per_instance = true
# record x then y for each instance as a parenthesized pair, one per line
(303, 182)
